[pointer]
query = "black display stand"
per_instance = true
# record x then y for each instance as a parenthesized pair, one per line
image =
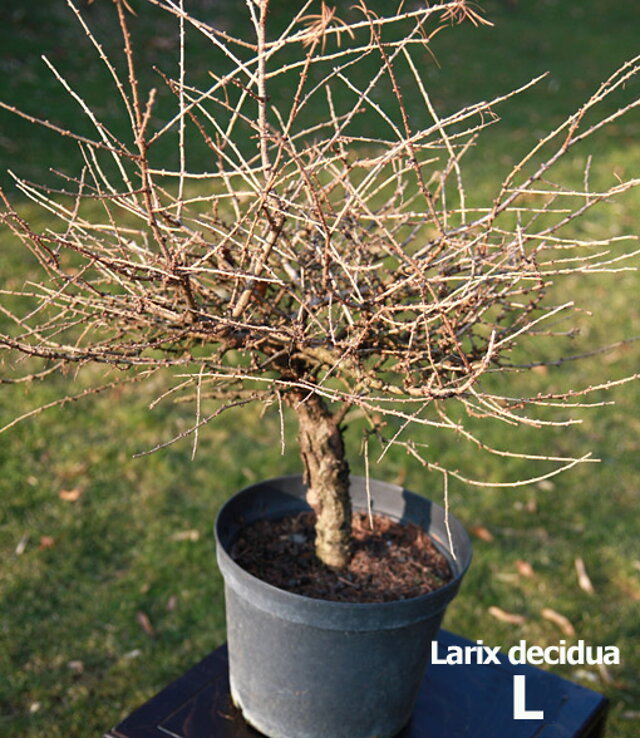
(471, 701)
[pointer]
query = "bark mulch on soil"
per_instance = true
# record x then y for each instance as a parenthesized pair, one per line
(394, 562)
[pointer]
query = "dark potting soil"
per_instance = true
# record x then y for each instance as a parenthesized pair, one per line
(395, 561)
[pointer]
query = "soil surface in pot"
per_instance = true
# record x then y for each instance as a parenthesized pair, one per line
(395, 561)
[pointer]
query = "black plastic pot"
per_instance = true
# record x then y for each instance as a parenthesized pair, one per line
(309, 668)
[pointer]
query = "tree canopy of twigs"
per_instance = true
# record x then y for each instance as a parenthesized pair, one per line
(336, 257)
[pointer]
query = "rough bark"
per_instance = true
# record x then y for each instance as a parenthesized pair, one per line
(326, 473)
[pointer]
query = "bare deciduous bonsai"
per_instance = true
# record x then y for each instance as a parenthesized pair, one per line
(324, 254)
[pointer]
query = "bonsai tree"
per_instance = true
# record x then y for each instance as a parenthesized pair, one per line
(320, 251)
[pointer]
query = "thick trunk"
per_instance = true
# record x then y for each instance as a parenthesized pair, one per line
(327, 477)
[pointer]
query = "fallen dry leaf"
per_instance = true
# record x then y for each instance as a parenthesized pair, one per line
(506, 617)
(524, 568)
(145, 623)
(630, 715)
(401, 477)
(70, 495)
(583, 578)
(629, 587)
(585, 675)
(249, 474)
(171, 603)
(479, 531)
(560, 620)
(186, 535)
(76, 666)
(530, 506)
(604, 674)
(46, 542)
(22, 544)
(505, 576)
(540, 369)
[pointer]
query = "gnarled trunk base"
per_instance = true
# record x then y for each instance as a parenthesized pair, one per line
(326, 473)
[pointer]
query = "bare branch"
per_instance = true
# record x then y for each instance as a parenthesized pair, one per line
(325, 246)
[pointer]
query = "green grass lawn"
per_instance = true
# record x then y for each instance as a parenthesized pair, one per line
(108, 586)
